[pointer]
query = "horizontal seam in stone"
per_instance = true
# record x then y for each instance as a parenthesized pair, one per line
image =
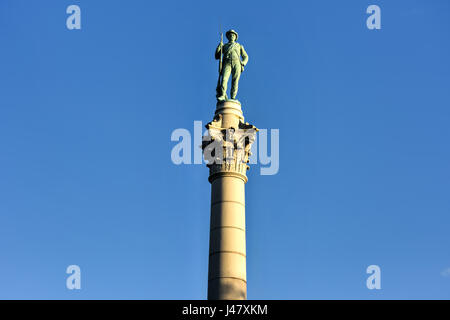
(228, 251)
(217, 202)
(215, 278)
(215, 228)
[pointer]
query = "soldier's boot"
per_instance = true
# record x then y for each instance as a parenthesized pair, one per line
(219, 94)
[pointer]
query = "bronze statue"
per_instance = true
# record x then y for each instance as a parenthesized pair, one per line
(230, 64)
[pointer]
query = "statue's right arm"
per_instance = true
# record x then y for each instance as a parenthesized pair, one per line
(218, 51)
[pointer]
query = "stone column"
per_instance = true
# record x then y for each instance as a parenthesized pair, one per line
(227, 148)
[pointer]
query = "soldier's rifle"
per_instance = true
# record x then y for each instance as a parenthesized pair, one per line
(220, 64)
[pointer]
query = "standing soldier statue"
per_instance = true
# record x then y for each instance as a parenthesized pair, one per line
(230, 63)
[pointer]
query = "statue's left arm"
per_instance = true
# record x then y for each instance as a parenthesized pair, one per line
(244, 56)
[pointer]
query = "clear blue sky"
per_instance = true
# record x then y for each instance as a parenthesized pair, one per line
(86, 176)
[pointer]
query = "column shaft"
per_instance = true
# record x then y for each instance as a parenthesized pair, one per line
(227, 255)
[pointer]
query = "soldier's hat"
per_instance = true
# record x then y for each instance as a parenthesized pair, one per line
(227, 34)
